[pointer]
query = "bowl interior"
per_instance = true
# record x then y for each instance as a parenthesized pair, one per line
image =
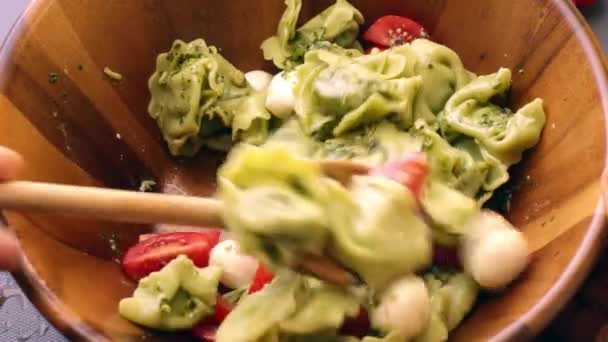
(85, 129)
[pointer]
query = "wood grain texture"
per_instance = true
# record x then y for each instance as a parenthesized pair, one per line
(68, 133)
(585, 317)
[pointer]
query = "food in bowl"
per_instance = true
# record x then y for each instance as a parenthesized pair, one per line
(413, 229)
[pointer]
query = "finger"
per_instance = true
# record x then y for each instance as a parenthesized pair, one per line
(11, 163)
(9, 252)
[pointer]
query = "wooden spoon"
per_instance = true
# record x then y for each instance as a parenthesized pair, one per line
(141, 207)
(134, 206)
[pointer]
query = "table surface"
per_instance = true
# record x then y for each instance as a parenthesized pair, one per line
(20, 321)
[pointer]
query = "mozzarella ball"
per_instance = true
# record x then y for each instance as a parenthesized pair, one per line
(280, 100)
(258, 80)
(237, 269)
(405, 306)
(494, 253)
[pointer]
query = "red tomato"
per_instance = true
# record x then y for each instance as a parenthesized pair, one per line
(205, 331)
(410, 170)
(261, 278)
(356, 326)
(446, 256)
(222, 309)
(153, 253)
(392, 30)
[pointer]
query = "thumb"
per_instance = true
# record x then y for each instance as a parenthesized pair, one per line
(10, 163)
(9, 251)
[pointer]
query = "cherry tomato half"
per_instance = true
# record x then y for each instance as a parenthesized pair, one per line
(446, 256)
(356, 326)
(392, 30)
(222, 309)
(410, 170)
(153, 253)
(261, 278)
(205, 331)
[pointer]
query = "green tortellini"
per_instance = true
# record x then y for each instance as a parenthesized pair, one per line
(442, 74)
(291, 308)
(336, 103)
(372, 145)
(256, 318)
(274, 203)
(449, 209)
(420, 95)
(452, 298)
(462, 165)
(392, 337)
(337, 24)
(251, 119)
(324, 308)
(281, 207)
(503, 134)
(174, 298)
(291, 137)
(337, 93)
(378, 214)
(197, 95)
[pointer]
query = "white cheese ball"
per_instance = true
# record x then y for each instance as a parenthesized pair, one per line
(237, 269)
(493, 252)
(280, 100)
(405, 306)
(258, 80)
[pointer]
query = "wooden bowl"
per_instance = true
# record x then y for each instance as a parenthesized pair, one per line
(85, 129)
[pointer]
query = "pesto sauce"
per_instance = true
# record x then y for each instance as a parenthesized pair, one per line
(369, 108)
(53, 77)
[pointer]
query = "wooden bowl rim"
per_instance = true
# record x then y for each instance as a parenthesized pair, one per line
(525, 327)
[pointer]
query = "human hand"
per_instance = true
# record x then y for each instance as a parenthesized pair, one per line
(10, 164)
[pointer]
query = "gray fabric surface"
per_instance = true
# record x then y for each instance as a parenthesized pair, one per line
(19, 320)
(597, 15)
